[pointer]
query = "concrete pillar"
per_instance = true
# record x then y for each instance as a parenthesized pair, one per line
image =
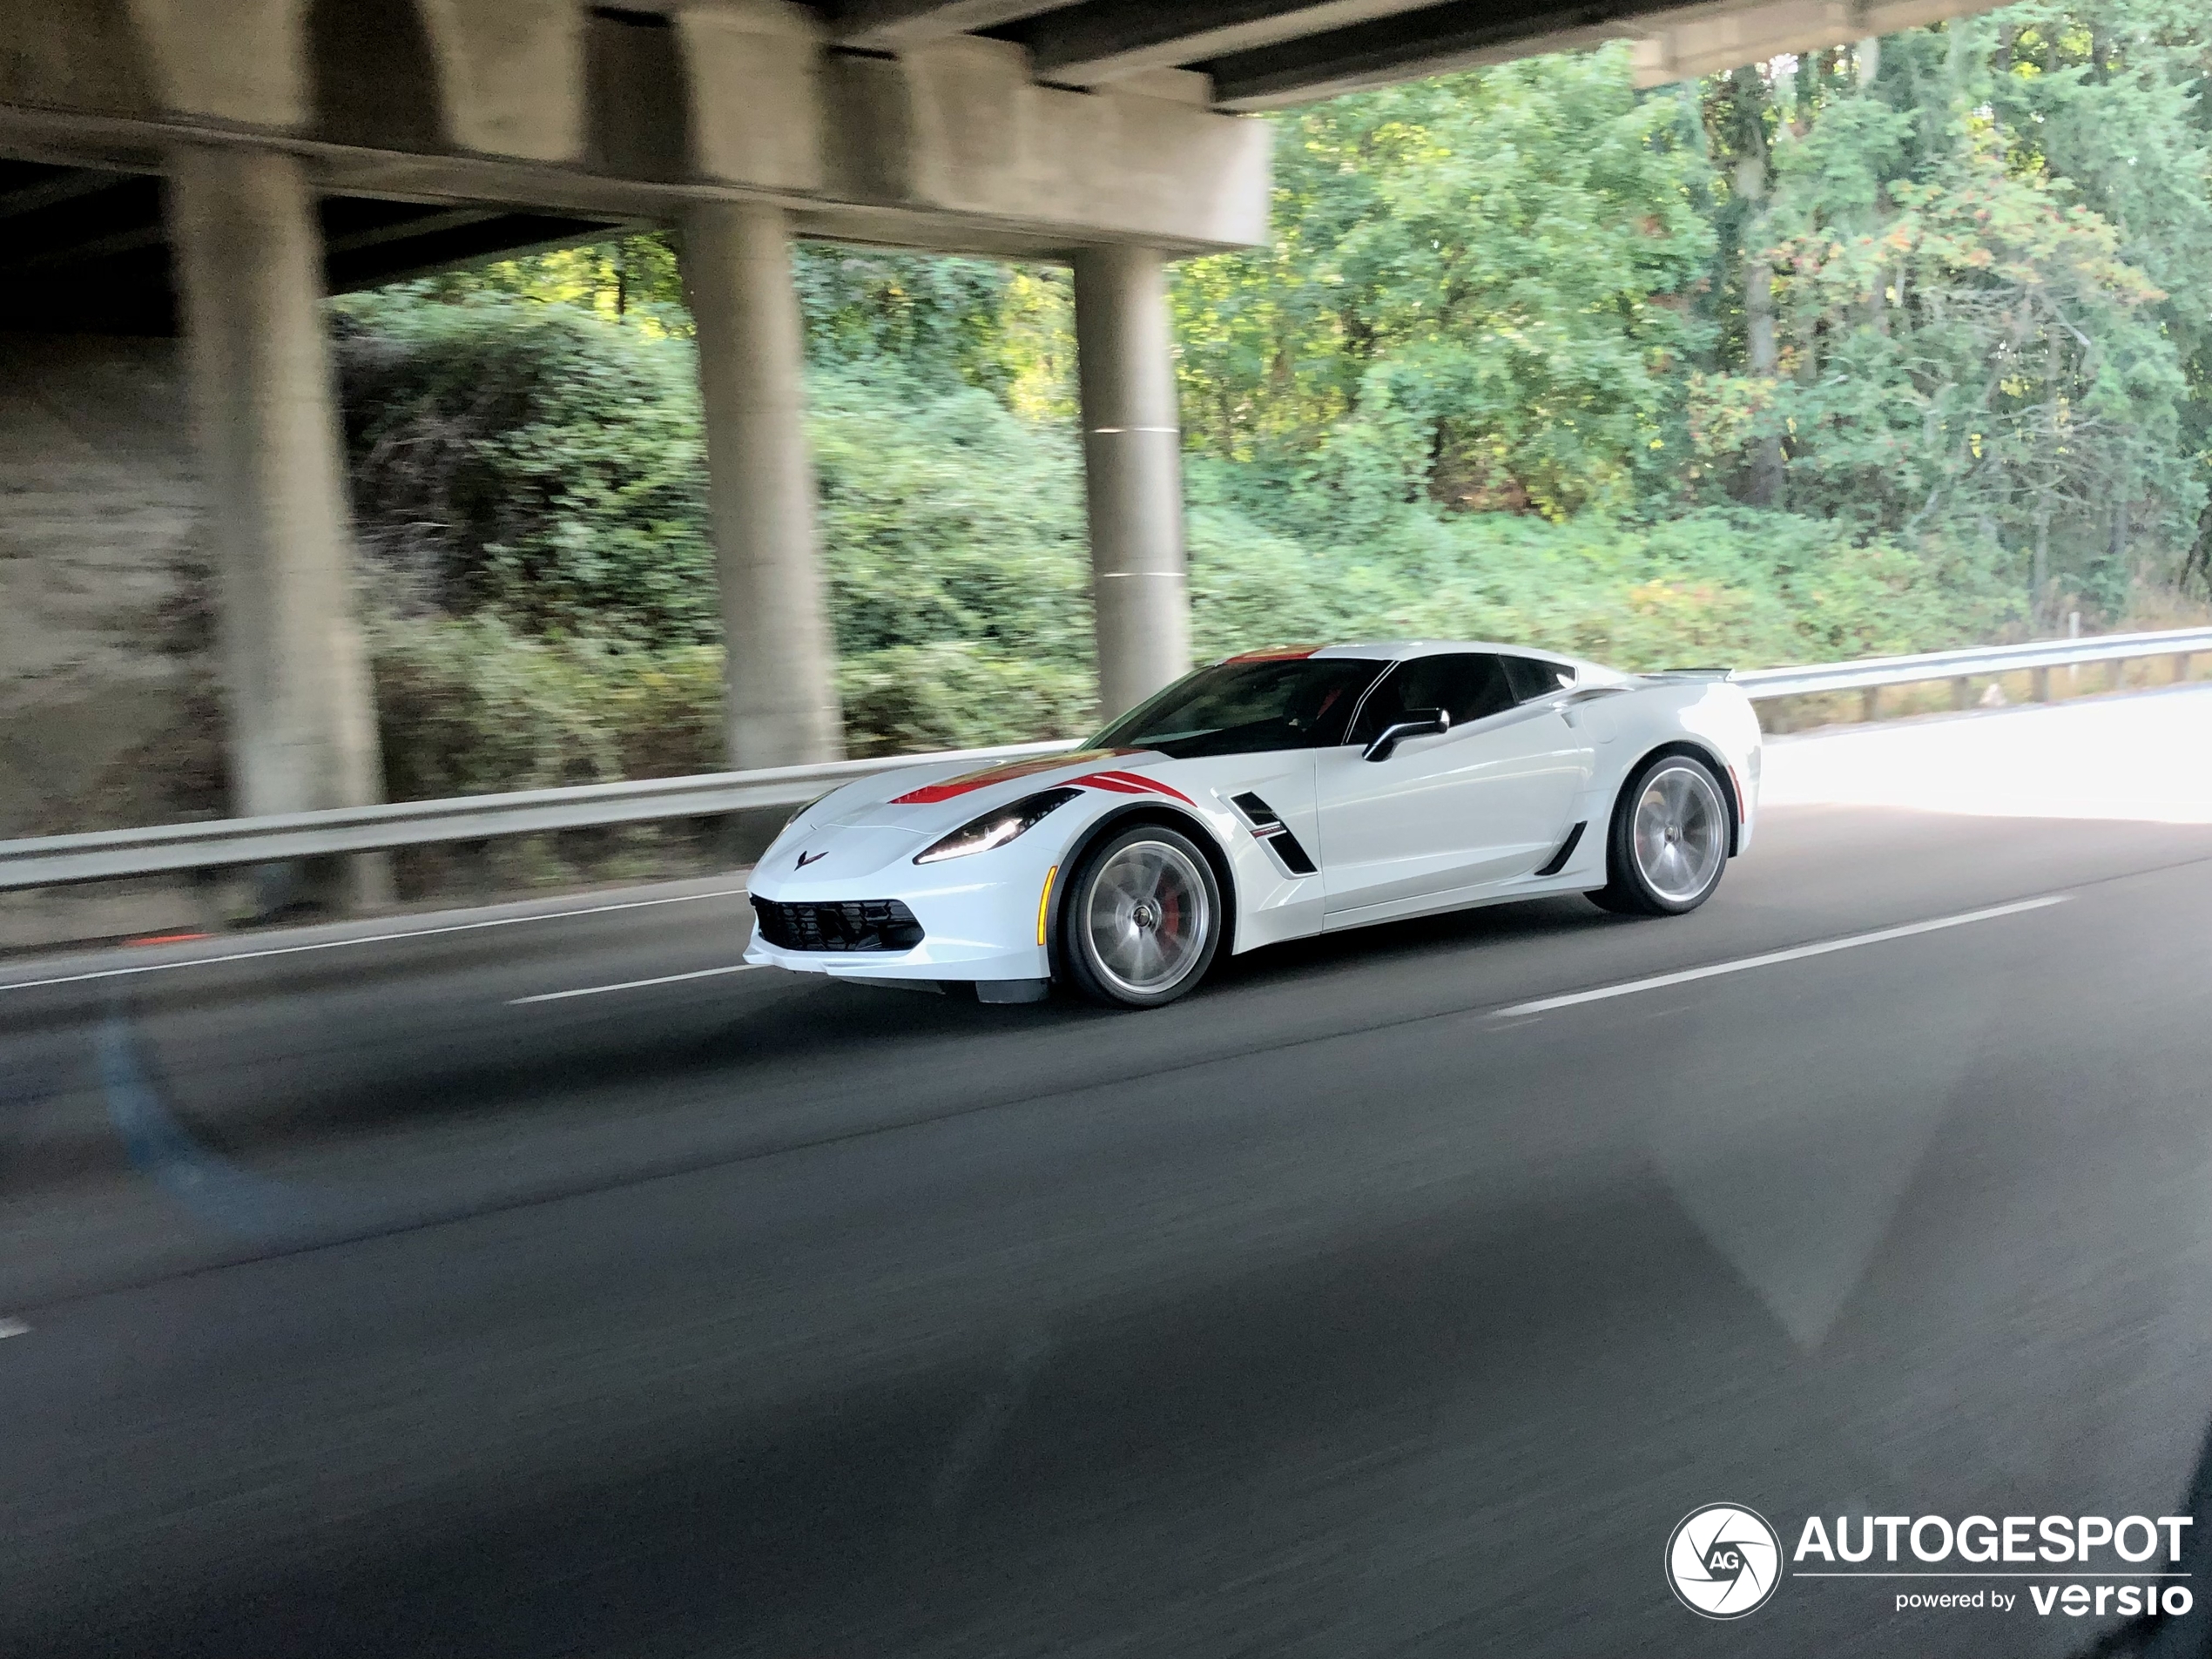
(248, 261)
(781, 707)
(1133, 473)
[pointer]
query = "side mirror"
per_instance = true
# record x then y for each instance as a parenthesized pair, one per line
(1414, 722)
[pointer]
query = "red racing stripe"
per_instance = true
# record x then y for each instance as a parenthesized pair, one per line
(968, 782)
(1131, 783)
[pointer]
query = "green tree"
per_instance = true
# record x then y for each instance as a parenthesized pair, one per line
(1970, 348)
(1478, 293)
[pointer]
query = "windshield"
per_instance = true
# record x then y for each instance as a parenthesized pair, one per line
(1244, 707)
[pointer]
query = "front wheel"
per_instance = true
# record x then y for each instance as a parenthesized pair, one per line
(1141, 919)
(1668, 839)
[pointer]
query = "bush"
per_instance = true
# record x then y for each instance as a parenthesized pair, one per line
(1730, 586)
(959, 696)
(532, 460)
(469, 707)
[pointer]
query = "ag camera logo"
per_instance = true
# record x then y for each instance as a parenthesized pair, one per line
(1723, 1561)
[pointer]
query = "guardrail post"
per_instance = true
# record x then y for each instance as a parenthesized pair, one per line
(1962, 692)
(1870, 708)
(2115, 673)
(2181, 667)
(2039, 682)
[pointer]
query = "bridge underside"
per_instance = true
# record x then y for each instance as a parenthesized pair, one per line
(89, 248)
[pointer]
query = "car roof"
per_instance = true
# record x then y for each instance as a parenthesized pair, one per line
(1392, 650)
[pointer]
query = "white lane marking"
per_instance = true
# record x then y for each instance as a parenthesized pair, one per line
(13, 1328)
(630, 985)
(1797, 953)
(367, 939)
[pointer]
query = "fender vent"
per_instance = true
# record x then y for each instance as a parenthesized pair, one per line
(1558, 861)
(1268, 829)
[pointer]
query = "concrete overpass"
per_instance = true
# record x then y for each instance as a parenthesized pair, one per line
(213, 167)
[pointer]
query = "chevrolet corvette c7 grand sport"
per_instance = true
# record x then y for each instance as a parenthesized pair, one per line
(1268, 796)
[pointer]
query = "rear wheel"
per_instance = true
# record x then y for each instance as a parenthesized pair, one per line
(1141, 919)
(1668, 839)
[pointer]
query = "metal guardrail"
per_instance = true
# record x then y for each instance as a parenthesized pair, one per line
(109, 854)
(1871, 673)
(106, 854)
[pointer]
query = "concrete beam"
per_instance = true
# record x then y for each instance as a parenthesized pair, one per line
(1709, 40)
(513, 75)
(1111, 38)
(757, 116)
(1133, 473)
(949, 149)
(1674, 42)
(83, 54)
(962, 128)
(1435, 40)
(781, 700)
(896, 25)
(231, 61)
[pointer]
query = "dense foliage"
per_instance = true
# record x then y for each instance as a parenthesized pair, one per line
(1951, 285)
(1880, 348)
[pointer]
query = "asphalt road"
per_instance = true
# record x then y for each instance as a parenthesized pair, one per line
(367, 1302)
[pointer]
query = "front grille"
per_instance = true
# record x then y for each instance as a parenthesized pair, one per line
(852, 924)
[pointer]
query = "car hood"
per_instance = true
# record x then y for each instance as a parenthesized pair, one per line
(933, 800)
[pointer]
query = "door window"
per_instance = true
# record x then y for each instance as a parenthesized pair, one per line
(1532, 677)
(1466, 685)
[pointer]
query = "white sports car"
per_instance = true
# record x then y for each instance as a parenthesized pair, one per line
(1268, 796)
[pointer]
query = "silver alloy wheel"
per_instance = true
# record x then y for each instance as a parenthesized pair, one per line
(1680, 833)
(1147, 918)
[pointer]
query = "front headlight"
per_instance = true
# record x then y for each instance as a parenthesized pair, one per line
(996, 828)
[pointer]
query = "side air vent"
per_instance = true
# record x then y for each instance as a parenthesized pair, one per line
(1268, 829)
(1558, 861)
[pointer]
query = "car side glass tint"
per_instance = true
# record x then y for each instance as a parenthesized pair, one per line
(1530, 677)
(1383, 704)
(1467, 685)
(1476, 686)
(1242, 707)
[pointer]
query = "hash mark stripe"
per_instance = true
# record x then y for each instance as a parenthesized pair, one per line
(630, 985)
(1774, 958)
(367, 939)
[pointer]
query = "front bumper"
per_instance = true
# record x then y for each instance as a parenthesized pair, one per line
(971, 930)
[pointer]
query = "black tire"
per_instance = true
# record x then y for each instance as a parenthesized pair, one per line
(1140, 919)
(1676, 864)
